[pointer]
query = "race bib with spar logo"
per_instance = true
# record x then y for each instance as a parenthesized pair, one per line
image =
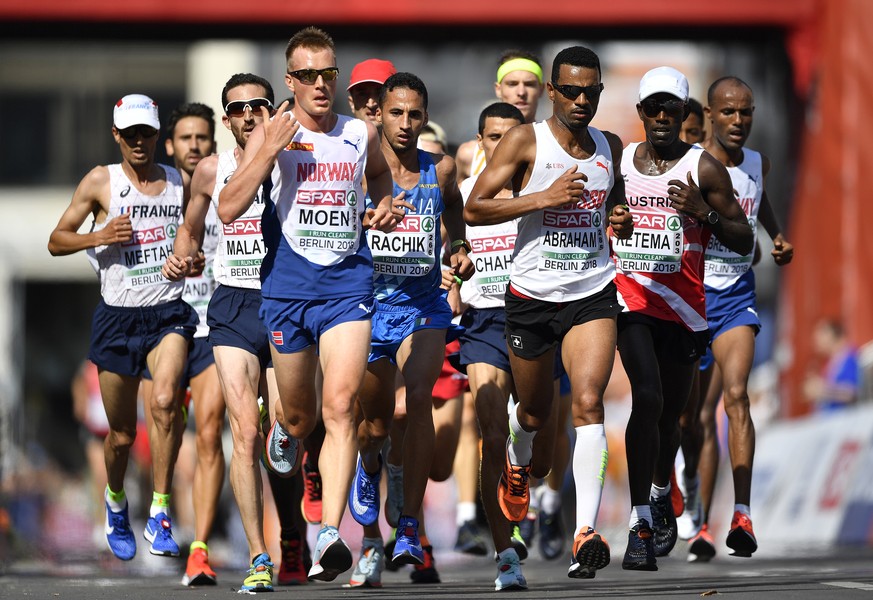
(408, 251)
(654, 247)
(325, 219)
(145, 253)
(574, 238)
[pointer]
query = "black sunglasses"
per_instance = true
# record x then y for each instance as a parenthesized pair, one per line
(145, 131)
(310, 76)
(237, 108)
(652, 108)
(571, 92)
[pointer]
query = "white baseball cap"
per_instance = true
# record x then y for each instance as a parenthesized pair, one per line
(135, 109)
(666, 80)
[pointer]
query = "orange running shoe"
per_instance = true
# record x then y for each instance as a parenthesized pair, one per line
(198, 571)
(590, 552)
(311, 503)
(676, 495)
(741, 539)
(513, 491)
(701, 548)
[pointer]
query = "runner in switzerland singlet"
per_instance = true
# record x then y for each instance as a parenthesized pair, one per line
(724, 267)
(241, 246)
(561, 253)
(198, 290)
(406, 261)
(130, 272)
(660, 268)
(312, 221)
(492, 246)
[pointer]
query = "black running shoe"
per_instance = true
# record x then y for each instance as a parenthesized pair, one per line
(640, 553)
(664, 525)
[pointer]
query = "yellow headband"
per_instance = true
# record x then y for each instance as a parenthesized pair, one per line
(520, 64)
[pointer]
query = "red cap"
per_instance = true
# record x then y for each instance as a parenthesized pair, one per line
(372, 69)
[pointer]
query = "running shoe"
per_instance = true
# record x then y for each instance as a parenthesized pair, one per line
(425, 572)
(640, 553)
(364, 494)
(292, 569)
(198, 571)
(389, 552)
(394, 497)
(676, 497)
(689, 523)
(470, 540)
(518, 544)
(590, 553)
(310, 506)
(159, 533)
(371, 563)
(509, 575)
(407, 547)
(513, 490)
(663, 524)
(741, 538)
(119, 536)
(283, 451)
(551, 542)
(331, 557)
(701, 548)
(260, 575)
(527, 527)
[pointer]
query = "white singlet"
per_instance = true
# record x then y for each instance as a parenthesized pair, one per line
(562, 253)
(130, 272)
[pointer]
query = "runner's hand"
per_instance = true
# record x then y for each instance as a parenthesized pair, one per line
(622, 222)
(566, 189)
(782, 251)
(117, 230)
(687, 199)
(176, 267)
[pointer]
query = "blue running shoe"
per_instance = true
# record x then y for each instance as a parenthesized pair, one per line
(331, 556)
(283, 451)
(159, 532)
(260, 576)
(407, 549)
(364, 494)
(120, 538)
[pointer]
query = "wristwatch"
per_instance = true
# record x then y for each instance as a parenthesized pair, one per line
(712, 217)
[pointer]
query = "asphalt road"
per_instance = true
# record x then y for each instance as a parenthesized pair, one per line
(846, 573)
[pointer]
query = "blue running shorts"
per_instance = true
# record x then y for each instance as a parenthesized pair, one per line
(393, 324)
(233, 319)
(484, 338)
(122, 337)
(729, 308)
(297, 324)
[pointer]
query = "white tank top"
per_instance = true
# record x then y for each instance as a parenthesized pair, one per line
(492, 246)
(130, 272)
(723, 268)
(198, 290)
(562, 254)
(318, 193)
(241, 247)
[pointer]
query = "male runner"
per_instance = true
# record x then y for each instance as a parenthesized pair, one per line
(141, 319)
(520, 83)
(317, 275)
(191, 137)
(411, 320)
(238, 337)
(364, 87)
(733, 322)
(484, 353)
(679, 196)
(693, 131)
(569, 190)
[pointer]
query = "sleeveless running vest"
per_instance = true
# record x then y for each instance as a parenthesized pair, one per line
(406, 265)
(198, 290)
(562, 254)
(492, 246)
(312, 220)
(477, 165)
(724, 267)
(660, 268)
(241, 246)
(130, 272)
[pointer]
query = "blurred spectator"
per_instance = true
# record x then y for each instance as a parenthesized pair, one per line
(433, 139)
(836, 383)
